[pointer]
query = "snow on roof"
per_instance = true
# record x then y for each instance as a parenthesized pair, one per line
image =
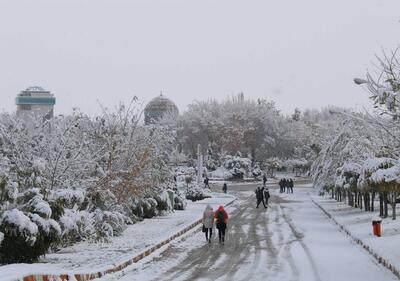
(35, 89)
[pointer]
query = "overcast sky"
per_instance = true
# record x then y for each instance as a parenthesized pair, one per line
(298, 53)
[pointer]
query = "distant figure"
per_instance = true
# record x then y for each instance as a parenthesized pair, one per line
(264, 179)
(281, 186)
(208, 222)
(206, 185)
(225, 187)
(222, 218)
(287, 186)
(266, 196)
(290, 185)
(260, 196)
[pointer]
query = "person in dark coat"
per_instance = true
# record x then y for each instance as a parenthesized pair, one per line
(285, 184)
(221, 217)
(266, 196)
(264, 179)
(281, 186)
(291, 185)
(224, 187)
(260, 196)
(206, 185)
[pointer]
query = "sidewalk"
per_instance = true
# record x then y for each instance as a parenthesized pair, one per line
(358, 224)
(86, 257)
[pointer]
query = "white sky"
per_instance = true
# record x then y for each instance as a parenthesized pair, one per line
(298, 53)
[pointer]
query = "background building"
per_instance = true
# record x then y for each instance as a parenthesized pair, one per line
(35, 101)
(159, 107)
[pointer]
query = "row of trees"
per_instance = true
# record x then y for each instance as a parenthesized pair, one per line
(362, 160)
(253, 129)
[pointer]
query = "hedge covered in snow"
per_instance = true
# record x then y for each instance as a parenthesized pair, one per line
(75, 178)
(196, 193)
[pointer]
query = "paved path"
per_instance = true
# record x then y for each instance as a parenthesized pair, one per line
(291, 240)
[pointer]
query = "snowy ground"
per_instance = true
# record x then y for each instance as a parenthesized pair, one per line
(291, 240)
(87, 257)
(358, 223)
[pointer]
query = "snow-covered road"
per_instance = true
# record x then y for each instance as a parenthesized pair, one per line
(291, 240)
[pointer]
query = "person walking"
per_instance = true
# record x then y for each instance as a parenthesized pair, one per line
(208, 222)
(260, 196)
(291, 185)
(206, 181)
(281, 186)
(224, 187)
(264, 179)
(222, 219)
(284, 184)
(266, 196)
(287, 186)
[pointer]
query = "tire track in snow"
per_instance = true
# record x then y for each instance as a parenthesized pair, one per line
(299, 237)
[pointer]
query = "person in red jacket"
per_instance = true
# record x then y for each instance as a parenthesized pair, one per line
(222, 218)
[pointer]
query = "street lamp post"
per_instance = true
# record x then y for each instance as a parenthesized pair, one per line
(360, 81)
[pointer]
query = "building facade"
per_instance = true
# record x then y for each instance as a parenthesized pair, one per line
(35, 102)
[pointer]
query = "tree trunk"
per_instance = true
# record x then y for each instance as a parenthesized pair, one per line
(366, 201)
(355, 199)
(380, 204)
(385, 201)
(393, 197)
(372, 200)
(394, 210)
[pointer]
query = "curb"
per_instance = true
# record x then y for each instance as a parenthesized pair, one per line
(120, 267)
(369, 249)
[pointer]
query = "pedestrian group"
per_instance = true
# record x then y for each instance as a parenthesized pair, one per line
(220, 217)
(286, 185)
(262, 196)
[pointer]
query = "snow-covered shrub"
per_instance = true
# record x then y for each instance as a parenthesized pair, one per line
(179, 200)
(196, 193)
(239, 167)
(164, 202)
(272, 164)
(81, 174)
(256, 170)
(221, 173)
(68, 197)
(26, 236)
(149, 207)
